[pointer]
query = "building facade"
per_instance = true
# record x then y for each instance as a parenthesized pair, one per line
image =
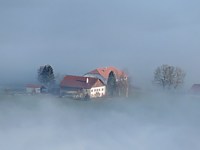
(82, 87)
(34, 89)
(121, 78)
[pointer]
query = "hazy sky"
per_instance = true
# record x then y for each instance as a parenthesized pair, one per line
(75, 36)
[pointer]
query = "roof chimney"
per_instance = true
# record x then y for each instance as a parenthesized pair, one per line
(87, 80)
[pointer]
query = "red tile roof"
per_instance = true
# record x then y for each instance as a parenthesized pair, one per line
(104, 72)
(80, 82)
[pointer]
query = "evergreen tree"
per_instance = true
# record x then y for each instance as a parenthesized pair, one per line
(46, 75)
(111, 84)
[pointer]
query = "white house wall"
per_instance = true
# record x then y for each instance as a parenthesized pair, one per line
(33, 90)
(37, 90)
(97, 91)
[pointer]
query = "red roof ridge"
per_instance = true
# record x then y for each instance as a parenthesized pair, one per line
(104, 71)
(78, 81)
(80, 77)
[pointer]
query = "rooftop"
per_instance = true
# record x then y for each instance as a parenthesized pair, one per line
(78, 82)
(105, 71)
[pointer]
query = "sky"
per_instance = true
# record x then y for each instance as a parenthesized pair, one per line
(76, 36)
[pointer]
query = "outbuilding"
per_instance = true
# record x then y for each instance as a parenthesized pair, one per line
(35, 88)
(195, 89)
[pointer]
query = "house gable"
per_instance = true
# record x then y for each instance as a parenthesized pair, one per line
(103, 73)
(98, 83)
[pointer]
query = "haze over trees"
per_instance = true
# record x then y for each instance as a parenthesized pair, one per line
(46, 75)
(111, 84)
(123, 85)
(169, 77)
(117, 87)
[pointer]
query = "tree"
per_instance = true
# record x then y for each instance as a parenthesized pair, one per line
(123, 85)
(111, 84)
(169, 76)
(46, 75)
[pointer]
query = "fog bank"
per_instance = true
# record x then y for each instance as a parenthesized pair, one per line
(150, 122)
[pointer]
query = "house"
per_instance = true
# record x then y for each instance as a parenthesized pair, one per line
(82, 87)
(35, 88)
(195, 89)
(122, 86)
(103, 74)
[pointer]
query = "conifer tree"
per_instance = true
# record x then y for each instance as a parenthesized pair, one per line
(46, 75)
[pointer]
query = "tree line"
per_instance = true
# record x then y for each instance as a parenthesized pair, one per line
(165, 76)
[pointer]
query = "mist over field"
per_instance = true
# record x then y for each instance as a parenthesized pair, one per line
(145, 122)
(75, 37)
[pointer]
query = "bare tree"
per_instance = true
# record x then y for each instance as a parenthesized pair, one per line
(169, 76)
(123, 85)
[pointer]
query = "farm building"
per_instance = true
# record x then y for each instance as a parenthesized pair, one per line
(103, 74)
(195, 89)
(35, 89)
(81, 87)
(115, 80)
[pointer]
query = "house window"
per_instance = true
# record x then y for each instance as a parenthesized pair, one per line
(102, 89)
(91, 90)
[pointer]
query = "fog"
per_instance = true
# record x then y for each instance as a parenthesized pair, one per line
(76, 36)
(144, 122)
